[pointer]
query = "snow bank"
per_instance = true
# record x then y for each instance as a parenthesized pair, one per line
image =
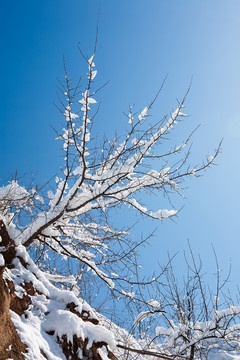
(50, 317)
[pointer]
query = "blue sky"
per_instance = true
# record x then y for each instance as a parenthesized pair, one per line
(140, 41)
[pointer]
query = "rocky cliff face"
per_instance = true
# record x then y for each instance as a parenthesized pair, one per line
(38, 321)
(10, 345)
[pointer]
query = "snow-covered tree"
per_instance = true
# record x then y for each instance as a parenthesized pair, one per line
(189, 318)
(72, 218)
(69, 224)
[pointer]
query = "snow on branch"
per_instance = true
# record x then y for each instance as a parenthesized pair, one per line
(71, 221)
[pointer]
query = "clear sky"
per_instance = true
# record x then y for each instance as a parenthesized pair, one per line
(140, 41)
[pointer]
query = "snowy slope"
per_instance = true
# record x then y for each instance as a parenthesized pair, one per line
(54, 324)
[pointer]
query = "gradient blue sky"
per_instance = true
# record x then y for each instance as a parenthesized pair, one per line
(140, 42)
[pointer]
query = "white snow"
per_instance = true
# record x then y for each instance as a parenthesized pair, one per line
(128, 294)
(154, 303)
(49, 312)
(163, 214)
(130, 121)
(143, 114)
(2, 262)
(63, 322)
